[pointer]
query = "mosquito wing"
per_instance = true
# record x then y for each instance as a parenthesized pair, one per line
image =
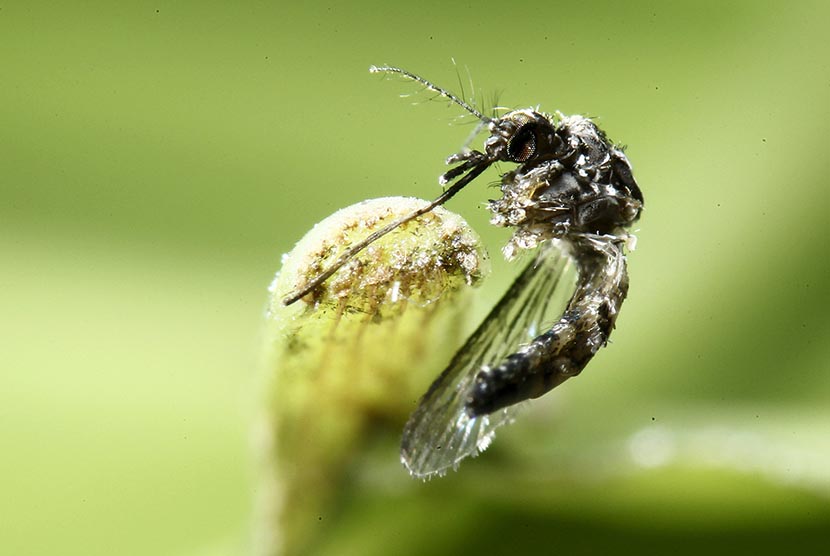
(440, 433)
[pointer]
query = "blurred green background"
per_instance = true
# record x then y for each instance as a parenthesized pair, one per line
(156, 159)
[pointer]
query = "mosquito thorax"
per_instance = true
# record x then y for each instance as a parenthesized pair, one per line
(570, 180)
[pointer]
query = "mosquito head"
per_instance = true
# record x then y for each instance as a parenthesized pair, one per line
(522, 136)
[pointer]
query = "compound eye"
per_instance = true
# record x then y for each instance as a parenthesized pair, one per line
(522, 145)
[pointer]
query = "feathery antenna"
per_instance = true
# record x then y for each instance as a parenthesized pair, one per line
(428, 85)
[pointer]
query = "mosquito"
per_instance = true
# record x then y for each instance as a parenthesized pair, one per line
(571, 196)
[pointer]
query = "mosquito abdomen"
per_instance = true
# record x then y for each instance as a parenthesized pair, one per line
(567, 347)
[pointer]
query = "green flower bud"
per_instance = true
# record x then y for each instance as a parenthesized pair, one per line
(353, 356)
